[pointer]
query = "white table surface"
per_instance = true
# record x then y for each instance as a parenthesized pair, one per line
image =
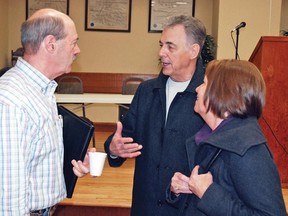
(94, 98)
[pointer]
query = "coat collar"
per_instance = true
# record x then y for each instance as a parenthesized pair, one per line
(230, 137)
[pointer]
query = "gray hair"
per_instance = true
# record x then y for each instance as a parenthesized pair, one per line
(34, 31)
(194, 28)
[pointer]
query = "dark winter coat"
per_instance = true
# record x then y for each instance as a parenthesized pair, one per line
(245, 177)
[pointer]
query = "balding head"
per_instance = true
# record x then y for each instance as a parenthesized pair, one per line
(49, 39)
(48, 12)
(42, 23)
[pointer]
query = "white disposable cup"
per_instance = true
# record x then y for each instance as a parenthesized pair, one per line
(96, 161)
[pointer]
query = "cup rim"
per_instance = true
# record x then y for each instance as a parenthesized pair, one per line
(103, 153)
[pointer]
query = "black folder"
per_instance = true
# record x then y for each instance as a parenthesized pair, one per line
(77, 133)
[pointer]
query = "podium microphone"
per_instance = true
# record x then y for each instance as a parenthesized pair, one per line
(241, 25)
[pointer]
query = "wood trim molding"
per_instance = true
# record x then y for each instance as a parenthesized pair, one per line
(105, 126)
(105, 82)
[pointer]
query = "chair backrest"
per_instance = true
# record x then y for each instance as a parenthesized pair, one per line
(131, 84)
(15, 54)
(70, 85)
(4, 70)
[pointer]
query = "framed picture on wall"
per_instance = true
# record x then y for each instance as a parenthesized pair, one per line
(160, 10)
(33, 5)
(103, 15)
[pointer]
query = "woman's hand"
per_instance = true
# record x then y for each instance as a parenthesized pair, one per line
(198, 184)
(179, 184)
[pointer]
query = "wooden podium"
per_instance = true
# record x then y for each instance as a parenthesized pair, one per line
(271, 57)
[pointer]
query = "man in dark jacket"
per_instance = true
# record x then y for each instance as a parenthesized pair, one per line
(161, 117)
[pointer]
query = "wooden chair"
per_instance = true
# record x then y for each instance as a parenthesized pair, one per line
(16, 54)
(129, 87)
(4, 70)
(73, 85)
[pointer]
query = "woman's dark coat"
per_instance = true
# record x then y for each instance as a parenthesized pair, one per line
(245, 177)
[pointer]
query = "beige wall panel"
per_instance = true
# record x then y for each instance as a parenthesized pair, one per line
(261, 16)
(3, 33)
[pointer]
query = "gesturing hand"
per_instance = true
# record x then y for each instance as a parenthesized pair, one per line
(124, 146)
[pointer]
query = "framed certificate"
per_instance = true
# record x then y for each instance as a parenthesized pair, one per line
(111, 15)
(34, 5)
(160, 10)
